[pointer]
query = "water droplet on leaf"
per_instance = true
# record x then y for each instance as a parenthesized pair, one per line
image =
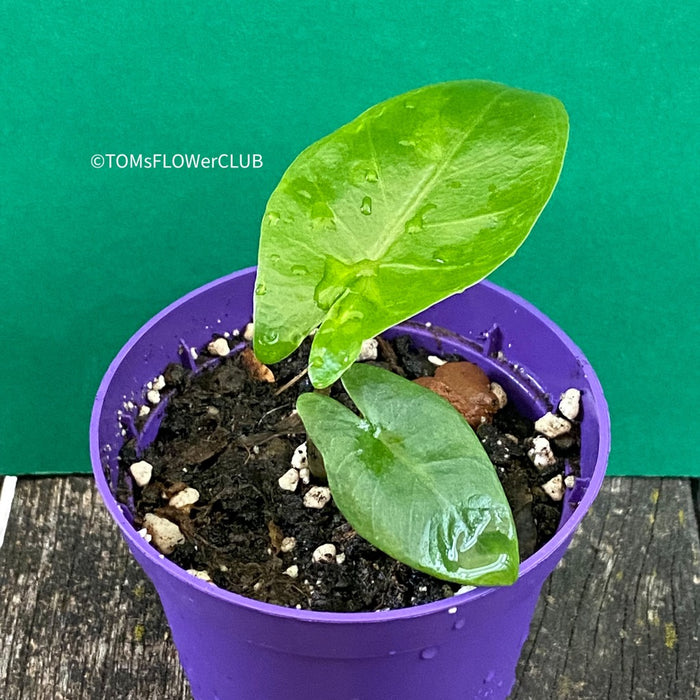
(371, 176)
(322, 214)
(299, 270)
(366, 206)
(352, 315)
(270, 337)
(272, 218)
(416, 223)
(305, 194)
(260, 289)
(407, 144)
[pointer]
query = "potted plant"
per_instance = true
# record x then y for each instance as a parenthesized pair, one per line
(388, 218)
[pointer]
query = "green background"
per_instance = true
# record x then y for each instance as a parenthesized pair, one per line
(88, 255)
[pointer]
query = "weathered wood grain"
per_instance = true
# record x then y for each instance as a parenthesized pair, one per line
(620, 618)
(618, 621)
(79, 619)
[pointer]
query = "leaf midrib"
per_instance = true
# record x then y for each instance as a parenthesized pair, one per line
(419, 477)
(415, 199)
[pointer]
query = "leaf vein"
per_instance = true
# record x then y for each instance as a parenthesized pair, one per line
(415, 198)
(375, 158)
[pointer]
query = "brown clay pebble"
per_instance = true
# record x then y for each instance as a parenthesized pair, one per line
(457, 400)
(470, 381)
(467, 388)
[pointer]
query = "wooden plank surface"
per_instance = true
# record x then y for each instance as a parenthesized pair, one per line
(618, 620)
(79, 619)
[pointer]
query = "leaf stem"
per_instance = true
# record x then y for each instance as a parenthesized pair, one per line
(313, 455)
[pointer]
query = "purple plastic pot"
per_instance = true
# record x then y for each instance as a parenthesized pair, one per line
(468, 646)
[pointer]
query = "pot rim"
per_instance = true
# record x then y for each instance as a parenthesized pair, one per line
(135, 541)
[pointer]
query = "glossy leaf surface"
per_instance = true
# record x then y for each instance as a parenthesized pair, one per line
(416, 199)
(411, 477)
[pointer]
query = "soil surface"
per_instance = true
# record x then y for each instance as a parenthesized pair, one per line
(231, 437)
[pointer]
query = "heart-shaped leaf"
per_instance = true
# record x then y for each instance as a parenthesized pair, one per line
(411, 477)
(418, 198)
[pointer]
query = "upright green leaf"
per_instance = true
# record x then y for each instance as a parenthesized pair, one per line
(412, 478)
(416, 199)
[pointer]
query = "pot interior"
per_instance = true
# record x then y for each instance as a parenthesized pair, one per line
(514, 343)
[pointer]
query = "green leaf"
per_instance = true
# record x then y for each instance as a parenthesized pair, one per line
(416, 199)
(413, 479)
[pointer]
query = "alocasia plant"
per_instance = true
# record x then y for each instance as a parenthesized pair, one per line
(416, 199)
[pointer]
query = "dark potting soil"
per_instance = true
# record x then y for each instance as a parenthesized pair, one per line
(231, 437)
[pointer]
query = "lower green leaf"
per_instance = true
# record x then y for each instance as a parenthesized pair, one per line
(413, 479)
